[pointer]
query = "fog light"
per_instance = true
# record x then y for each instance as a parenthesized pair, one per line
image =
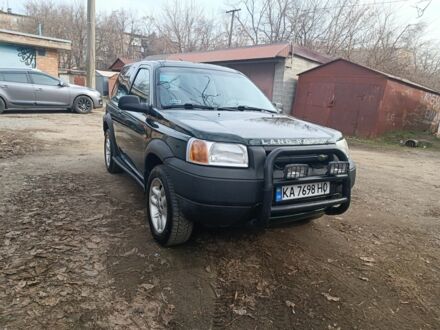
(295, 171)
(337, 168)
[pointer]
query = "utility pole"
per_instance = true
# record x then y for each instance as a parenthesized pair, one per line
(91, 44)
(232, 11)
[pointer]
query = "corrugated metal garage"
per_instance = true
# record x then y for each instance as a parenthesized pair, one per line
(360, 101)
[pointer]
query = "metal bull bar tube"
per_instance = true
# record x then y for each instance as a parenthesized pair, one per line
(331, 206)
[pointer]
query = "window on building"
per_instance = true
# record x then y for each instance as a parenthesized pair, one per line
(18, 77)
(141, 85)
(42, 79)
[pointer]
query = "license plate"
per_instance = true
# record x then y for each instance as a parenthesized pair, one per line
(303, 190)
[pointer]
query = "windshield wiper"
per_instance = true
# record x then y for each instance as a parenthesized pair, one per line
(188, 106)
(243, 108)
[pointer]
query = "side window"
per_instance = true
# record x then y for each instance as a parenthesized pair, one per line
(42, 79)
(18, 77)
(121, 85)
(115, 89)
(141, 85)
(121, 88)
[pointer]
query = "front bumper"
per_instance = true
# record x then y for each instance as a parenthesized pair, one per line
(228, 196)
(97, 101)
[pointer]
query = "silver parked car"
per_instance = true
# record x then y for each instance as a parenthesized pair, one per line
(32, 89)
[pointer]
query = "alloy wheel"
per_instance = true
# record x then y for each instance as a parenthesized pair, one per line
(158, 205)
(84, 104)
(108, 150)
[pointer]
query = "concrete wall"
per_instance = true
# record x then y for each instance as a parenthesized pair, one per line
(49, 62)
(286, 78)
(278, 82)
(14, 21)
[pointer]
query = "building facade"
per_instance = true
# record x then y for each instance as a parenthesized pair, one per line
(23, 50)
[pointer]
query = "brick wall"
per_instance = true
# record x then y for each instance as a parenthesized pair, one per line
(48, 63)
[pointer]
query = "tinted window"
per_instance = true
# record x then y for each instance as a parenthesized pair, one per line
(121, 86)
(41, 79)
(141, 85)
(19, 77)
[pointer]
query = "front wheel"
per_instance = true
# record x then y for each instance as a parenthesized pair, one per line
(167, 223)
(109, 152)
(83, 104)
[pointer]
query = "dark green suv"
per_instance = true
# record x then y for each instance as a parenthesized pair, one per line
(207, 146)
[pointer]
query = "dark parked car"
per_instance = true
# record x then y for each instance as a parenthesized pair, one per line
(207, 146)
(22, 89)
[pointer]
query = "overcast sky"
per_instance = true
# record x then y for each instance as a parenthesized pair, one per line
(406, 9)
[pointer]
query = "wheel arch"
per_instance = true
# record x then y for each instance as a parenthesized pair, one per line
(107, 124)
(4, 101)
(156, 153)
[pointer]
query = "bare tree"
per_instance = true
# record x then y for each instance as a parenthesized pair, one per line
(366, 33)
(186, 26)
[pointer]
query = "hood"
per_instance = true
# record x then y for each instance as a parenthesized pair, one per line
(251, 128)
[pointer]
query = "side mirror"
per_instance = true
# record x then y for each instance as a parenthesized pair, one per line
(132, 103)
(278, 106)
(62, 83)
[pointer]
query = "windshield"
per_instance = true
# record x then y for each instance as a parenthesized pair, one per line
(208, 89)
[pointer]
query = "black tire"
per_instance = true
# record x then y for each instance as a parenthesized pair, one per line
(2, 105)
(83, 104)
(110, 163)
(177, 229)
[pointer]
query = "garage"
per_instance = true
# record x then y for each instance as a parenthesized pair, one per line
(360, 101)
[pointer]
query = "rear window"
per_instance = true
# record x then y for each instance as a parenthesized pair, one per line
(18, 77)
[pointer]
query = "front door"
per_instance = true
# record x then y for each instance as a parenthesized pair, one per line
(49, 92)
(138, 131)
(17, 88)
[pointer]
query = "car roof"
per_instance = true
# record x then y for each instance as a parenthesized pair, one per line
(183, 64)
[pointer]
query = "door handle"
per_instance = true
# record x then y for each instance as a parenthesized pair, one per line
(4, 86)
(39, 89)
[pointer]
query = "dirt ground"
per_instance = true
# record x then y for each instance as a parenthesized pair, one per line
(75, 251)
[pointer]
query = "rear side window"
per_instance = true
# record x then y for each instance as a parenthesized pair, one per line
(18, 77)
(141, 85)
(41, 79)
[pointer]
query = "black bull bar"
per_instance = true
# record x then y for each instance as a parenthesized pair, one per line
(331, 206)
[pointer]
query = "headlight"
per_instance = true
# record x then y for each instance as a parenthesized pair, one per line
(216, 154)
(342, 144)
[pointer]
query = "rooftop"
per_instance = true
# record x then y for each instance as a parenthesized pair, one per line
(387, 75)
(8, 12)
(27, 39)
(270, 51)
